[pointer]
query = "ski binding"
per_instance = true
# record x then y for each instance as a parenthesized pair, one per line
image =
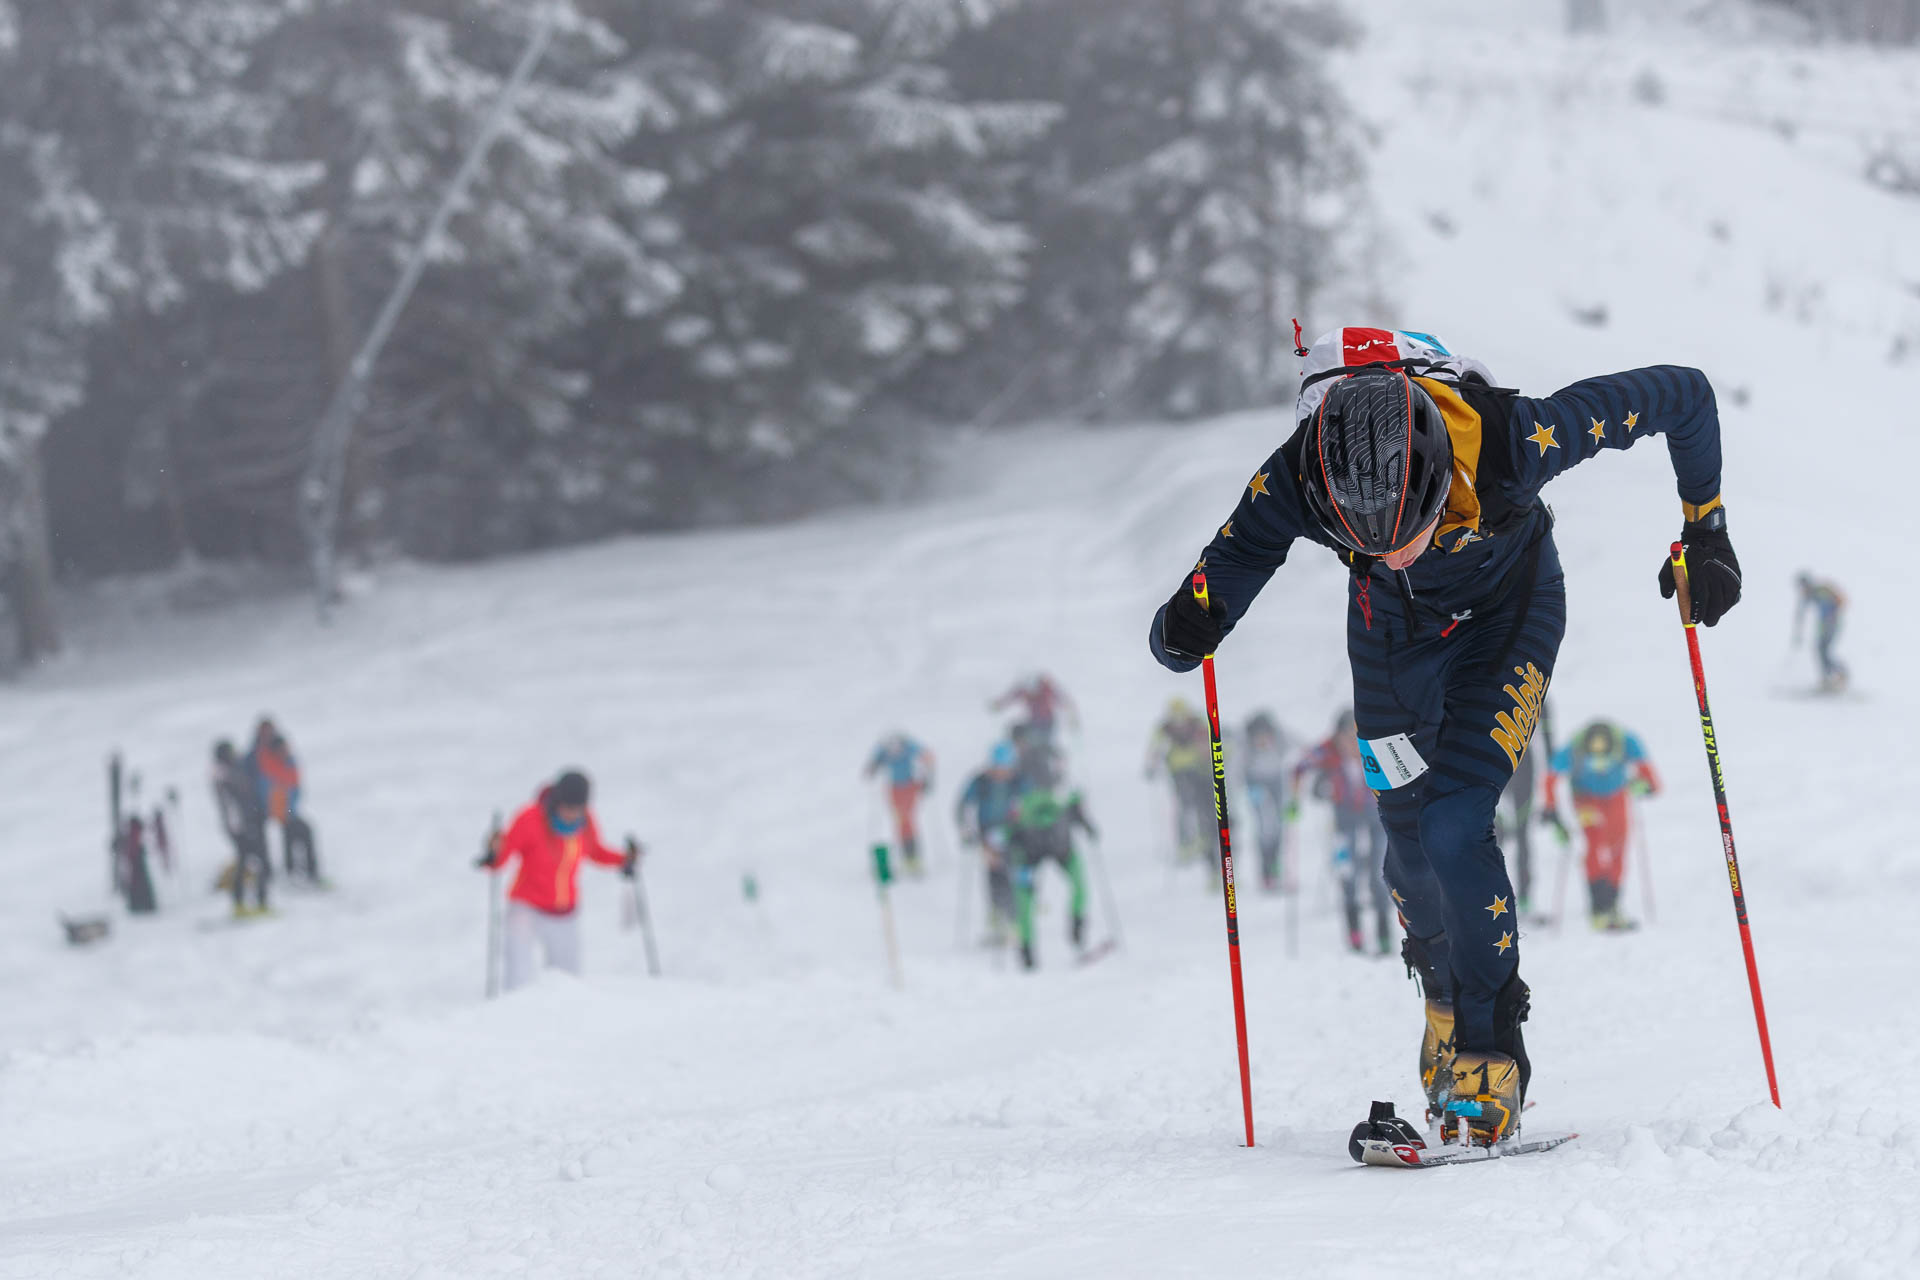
(1390, 1142)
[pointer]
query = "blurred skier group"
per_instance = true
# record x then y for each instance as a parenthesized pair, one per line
(1270, 766)
(1018, 810)
(252, 791)
(1604, 766)
(1021, 814)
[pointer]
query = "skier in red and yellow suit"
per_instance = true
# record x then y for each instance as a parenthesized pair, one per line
(1607, 767)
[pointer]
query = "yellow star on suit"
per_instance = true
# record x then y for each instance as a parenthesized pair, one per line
(1543, 436)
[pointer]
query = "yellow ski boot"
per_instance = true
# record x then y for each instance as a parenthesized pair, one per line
(1486, 1098)
(1436, 1057)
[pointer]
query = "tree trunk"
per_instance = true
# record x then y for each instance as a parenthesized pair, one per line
(31, 585)
(338, 340)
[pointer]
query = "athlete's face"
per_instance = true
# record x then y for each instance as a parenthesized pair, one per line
(1398, 560)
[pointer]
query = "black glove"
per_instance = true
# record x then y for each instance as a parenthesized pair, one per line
(490, 848)
(1713, 571)
(633, 858)
(1188, 632)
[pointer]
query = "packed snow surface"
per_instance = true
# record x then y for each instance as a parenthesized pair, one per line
(325, 1094)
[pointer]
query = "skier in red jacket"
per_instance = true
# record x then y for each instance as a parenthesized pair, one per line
(551, 837)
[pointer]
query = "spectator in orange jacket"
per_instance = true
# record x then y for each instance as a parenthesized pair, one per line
(551, 837)
(277, 774)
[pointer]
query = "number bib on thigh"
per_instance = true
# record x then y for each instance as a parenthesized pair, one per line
(1391, 762)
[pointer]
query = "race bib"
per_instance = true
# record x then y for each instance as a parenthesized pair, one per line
(1390, 762)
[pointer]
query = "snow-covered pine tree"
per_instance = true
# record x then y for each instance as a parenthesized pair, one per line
(830, 183)
(1204, 186)
(124, 127)
(482, 432)
(469, 440)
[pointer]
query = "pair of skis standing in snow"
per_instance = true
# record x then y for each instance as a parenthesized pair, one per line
(136, 839)
(1424, 477)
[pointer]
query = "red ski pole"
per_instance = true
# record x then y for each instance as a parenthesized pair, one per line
(1679, 554)
(1226, 869)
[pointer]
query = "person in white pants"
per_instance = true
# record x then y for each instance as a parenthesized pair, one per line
(557, 936)
(550, 838)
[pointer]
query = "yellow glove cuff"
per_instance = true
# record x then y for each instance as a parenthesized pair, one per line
(1694, 512)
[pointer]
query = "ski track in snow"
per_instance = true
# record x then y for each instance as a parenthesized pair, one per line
(325, 1095)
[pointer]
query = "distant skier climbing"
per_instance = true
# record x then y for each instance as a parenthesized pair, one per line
(1261, 762)
(550, 838)
(1339, 777)
(908, 768)
(1040, 830)
(1424, 477)
(983, 814)
(1605, 766)
(1042, 702)
(1828, 604)
(1182, 748)
(243, 815)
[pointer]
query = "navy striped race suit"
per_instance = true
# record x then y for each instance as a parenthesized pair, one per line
(1452, 657)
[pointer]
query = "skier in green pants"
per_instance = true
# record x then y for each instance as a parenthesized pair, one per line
(1041, 831)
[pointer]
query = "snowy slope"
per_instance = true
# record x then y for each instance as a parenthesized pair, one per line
(325, 1095)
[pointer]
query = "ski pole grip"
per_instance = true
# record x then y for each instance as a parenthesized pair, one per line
(1680, 589)
(1200, 589)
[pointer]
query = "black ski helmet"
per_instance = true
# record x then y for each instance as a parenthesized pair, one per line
(1378, 462)
(570, 790)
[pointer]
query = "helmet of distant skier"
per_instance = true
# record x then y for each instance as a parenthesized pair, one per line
(570, 790)
(1378, 463)
(1602, 740)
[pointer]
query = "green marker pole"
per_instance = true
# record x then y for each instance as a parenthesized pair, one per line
(882, 879)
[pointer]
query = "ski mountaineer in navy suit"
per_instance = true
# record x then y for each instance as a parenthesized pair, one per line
(1424, 477)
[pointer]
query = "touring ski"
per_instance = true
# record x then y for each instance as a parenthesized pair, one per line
(1387, 1141)
(1375, 1151)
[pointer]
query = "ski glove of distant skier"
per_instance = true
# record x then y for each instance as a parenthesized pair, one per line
(1713, 571)
(632, 859)
(1187, 631)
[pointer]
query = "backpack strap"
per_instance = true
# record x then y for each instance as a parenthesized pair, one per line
(1493, 481)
